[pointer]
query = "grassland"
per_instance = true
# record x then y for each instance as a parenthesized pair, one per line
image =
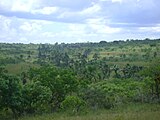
(20, 67)
(94, 62)
(129, 112)
(20, 57)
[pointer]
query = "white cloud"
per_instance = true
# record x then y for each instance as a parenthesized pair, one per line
(150, 29)
(117, 1)
(157, 29)
(45, 10)
(49, 34)
(77, 28)
(104, 29)
(5, 4)
(93, 9)
(96, 21)
(23, 39)
(7, 32)
(24, 5)
(4, 23)
(86, 12)
(20, 5)
(99, 25)
(77, 20)
(120, 1)
(30, 27)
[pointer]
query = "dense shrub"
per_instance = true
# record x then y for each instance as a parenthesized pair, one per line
(10, 92)
(60, 81)
(107, 94)
(9, 60)
(73, 105)
(36, 98)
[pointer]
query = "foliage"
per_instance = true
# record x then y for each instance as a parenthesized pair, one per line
(10, 92)
(109, 94)
(30, 98)
(70, 77)
(153, 72)
(126, 112)
(73, 105)
(60, 81)
(36, 98)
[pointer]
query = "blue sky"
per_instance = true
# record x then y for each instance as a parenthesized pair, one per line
(70, 21)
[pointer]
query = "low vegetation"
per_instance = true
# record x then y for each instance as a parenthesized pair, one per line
(127, 112)
(80, 81)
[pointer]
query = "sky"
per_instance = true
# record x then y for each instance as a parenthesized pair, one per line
(71, 21)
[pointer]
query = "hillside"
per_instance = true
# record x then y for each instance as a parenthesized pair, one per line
(134, 52)
(80, 78)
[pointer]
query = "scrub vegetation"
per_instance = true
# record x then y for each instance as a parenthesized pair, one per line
(117, 80)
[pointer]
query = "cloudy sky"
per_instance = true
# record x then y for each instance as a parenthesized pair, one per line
(70, 21)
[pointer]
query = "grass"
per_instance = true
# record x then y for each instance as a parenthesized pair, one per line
(137, 63)
(18, 68)
(123, 116)
(131, 112)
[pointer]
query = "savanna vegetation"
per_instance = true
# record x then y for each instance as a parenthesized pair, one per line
(106, 80)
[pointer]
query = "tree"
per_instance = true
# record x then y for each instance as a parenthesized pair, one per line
(36, 97)
(116, 69)
(95, 56)
(73, 105)
(105, 69)
(153, 71)
(61, 82)
(10, 92)
(155, 54)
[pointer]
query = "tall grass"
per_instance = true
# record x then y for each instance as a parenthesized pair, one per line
(20, 67)
(131, 112)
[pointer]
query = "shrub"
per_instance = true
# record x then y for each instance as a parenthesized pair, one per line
(108, 94)
(36, 98)
(73, 105)
(10, 92)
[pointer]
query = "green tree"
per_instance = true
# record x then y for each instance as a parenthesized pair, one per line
(10, 92)
(61, 82)
(154, 72)
(73, 105)
(36, 98)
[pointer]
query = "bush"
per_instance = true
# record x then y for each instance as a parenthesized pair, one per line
(36, 98)
(73, 105)
(108, 94)
(102, 96)
(61, 82)
(10, 92)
